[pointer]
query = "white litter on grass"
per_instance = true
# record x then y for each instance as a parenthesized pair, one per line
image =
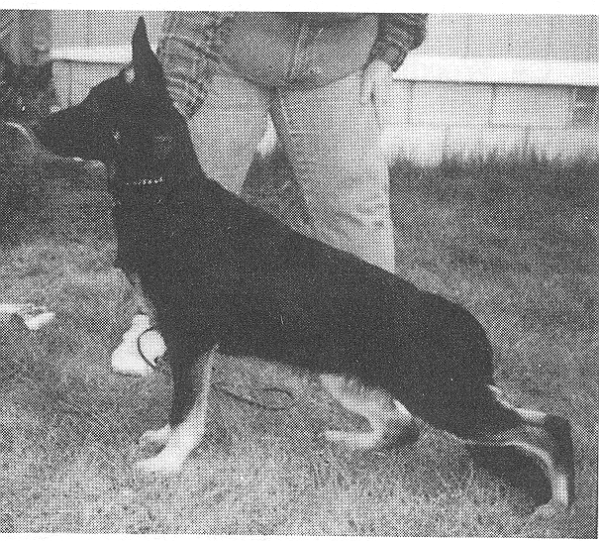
(34, 317)
(37, 322)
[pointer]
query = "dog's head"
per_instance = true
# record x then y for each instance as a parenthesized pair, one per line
(128, 122)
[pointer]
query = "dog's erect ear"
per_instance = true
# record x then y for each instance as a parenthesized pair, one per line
(146, 67)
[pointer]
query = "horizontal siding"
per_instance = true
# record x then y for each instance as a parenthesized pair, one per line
(498, 105)
(92, 28)
(565, 38)
(481, 83)
(531, 106)
(451, 103)
(430, 120)
(73, 80)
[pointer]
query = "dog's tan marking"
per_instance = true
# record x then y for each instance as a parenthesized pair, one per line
(388, 418)
(559, 481)
(129, 74)
(143, 305)
(531, 416)
(156, 437)
(184, 438)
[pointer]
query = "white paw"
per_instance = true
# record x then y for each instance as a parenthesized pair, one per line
(155, 437)
(549, 511)
(354, 440)
(336, 436)
(159, 465)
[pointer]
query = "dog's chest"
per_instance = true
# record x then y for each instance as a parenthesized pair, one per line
(141, 236)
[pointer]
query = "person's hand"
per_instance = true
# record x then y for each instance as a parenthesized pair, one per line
(375, 81)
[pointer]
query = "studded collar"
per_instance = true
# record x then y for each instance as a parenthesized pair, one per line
(145, 182)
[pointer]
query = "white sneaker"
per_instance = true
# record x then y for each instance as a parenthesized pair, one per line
(34, 317)
(126, 358)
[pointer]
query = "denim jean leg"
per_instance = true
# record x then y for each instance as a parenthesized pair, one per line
(228, 127)
(334, 145)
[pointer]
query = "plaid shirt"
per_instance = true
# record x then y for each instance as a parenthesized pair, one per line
(193, 40)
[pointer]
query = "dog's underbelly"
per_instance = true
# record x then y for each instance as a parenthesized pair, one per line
(367, 347)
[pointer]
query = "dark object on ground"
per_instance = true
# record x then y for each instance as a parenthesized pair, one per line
(26, 92)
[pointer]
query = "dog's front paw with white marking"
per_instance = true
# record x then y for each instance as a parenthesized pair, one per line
(159, 464)
(156, 437)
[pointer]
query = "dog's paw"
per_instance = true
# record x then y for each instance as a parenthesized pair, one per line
(161, 465)
(354, 440)
(549, 511)
(155, 437)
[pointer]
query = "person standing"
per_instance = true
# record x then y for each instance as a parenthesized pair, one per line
(319, 76)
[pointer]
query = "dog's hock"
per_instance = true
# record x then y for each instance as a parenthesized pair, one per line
(390, 422)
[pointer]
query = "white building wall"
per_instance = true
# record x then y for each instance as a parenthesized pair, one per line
(480, 83)
(564, 38)
(425, 121)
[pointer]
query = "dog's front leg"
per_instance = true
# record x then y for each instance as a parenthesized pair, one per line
(187, 430)
(183, 393)
(182, 371)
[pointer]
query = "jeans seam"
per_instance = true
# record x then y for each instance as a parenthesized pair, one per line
(310, 52)
(283, 113)
(293, 63)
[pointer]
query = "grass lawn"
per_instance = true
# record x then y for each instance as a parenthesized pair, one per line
(515, 242)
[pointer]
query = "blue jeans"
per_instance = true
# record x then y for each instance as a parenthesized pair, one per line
(308, 80)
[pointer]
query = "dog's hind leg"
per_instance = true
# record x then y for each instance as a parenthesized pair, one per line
(184, 436)
(391, 423)
(545, 438)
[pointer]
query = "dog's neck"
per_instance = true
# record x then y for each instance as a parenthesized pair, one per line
(179, 178)
(145, 182)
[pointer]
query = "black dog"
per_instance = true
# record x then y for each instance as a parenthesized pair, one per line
(222, 274)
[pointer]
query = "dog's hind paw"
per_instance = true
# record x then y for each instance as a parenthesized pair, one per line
(155, 437)
(549, 511)
(159, 464)
(354, 440)
(394, 433)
